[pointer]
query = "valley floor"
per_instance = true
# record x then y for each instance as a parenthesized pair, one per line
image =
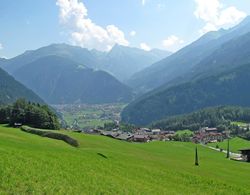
(89, 116)
(30, 164)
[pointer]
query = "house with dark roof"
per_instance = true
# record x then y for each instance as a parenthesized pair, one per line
(245, 154)
(125, 136)
(208, 137)
(141, 138)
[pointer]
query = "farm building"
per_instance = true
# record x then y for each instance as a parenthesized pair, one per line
(156, 131)
(110, 134)
(125, 136)
(141, 138)
(209, 130)
(204, 137)
(17, 125)
(245, 153)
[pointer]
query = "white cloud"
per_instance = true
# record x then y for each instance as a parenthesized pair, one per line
(132, 33)
(172, 42)
(145, 47)
(1, 46)
(84, 32)
(216, 15)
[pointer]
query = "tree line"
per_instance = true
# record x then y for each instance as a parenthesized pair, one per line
(31, 114)
(220, 117)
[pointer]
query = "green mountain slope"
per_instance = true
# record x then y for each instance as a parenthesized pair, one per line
(228, 56)
(60, 80)
(36, 165)
(230, 88)
(220, 117)
(11, 90)
(183, 64)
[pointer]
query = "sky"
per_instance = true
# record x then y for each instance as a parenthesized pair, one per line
(99, 24)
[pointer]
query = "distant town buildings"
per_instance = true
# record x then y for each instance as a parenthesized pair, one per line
(204, 135)
(207, 135)
(137, 135)
(245, 154)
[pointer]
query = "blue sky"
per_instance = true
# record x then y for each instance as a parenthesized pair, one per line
(99, 24)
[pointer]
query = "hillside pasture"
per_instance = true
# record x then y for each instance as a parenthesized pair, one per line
(31, 164)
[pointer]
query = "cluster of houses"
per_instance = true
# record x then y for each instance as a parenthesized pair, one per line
(137, 135)
(208, 135)
(204, 135)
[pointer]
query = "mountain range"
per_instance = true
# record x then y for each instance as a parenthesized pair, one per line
(188, 62)
(122, 62)
(229, 88)
(60, 73)
(209, 72)
(59, 80)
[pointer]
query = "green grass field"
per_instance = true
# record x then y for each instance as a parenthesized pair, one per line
(181, 132)
(30, 164)
(234, 144)
(240, 124)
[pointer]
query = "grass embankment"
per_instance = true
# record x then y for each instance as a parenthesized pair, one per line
(51, 134)
(37, 165)
(234, 144)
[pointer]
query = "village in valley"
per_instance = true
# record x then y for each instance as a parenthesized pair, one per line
(204, 135)
(104, 120)
(124, 97)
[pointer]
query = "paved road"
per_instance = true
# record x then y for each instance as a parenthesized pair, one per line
(234, 155)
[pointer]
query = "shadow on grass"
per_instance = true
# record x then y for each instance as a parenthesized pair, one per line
(102, 155)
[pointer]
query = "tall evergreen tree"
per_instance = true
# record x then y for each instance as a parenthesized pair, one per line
(196, 157)
(228, 152)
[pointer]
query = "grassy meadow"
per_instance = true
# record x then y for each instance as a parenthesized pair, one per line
(30, 164)
(240, 124)
(234, 144)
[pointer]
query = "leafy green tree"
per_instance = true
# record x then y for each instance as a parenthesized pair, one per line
(27, 113)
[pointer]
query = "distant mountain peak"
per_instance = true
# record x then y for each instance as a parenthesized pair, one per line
(246, 19)
(244, 23)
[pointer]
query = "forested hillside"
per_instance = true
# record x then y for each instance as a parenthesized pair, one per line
(62, 81)
(11, 90)
(220, 117)
(229, 88)
(212, 52)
